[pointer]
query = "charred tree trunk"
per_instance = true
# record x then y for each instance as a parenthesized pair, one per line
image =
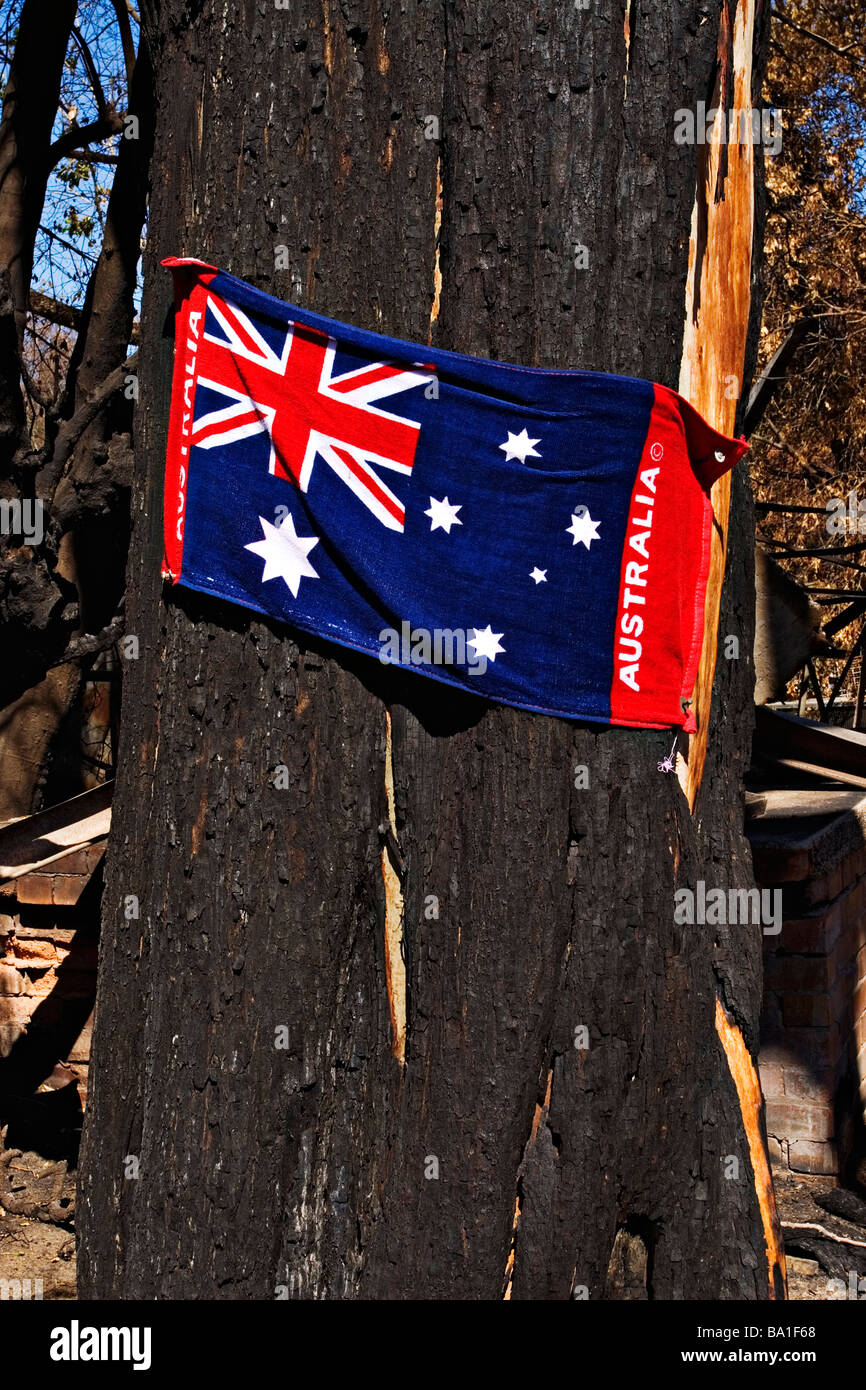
(275, 1108)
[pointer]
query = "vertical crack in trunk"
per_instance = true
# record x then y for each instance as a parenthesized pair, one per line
(437, 272)
(509, 1263)
(541, 1113)
(628, 25)
(395, 965)
(745, 1079)
(716, 325)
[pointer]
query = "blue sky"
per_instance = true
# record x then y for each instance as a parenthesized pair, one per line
(71, 231)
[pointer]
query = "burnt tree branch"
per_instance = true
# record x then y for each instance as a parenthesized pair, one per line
(79, 136)
(71, 430)
(90, 644)
(816, 38)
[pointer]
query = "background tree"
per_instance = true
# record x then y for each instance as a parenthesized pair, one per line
(74, 149)
(336, 1041)
(808, 448)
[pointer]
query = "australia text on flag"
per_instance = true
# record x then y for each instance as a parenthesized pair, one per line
(540, 538)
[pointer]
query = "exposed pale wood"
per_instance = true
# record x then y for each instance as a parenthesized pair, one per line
(748, 1086)
(395, 965)
(717, 320)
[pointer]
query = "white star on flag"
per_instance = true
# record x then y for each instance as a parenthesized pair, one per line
(583, 528)
(519, 446)
(443, 514)
(540, 576)
(486, 642)
(285, 553)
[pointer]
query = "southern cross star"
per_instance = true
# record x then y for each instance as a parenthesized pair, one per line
(520, 446)
(583, 528)
(486, 642)
(285, 553)
(443, 514)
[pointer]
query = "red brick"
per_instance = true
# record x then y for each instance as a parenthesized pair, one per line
(15, 1011)
(33, 889)
(11, 980)
(63, 890)
(9, 1035)
(32, 954)
(806, 1011)
(775, 864)
(52, 933)
(81, 1070)
(858, 943)
(843, 965)
(847, 946)
(770, 1005)
(66, 889)
(841, 957)
(815, 933)
(806, 1156)
(76, 984)
(68, 984)
(808, 973)
(789, 1121)
(772, 1028)
(40, 984)
(776, 1051)
(814, 1047)
(774, 964)
(778, 1152)
(803, 1084)
(79, 861)
(854, 900)
(80, 1050)
(855, 864)
(49, 1011)
(772, 1083)
(83, 955)
(825, 888)
(843, 1012)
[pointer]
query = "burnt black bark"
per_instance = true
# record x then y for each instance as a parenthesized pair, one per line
(216, 1164)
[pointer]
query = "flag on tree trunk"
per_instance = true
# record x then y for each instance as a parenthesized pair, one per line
(540, 538)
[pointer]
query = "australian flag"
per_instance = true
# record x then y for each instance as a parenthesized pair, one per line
(540, 538)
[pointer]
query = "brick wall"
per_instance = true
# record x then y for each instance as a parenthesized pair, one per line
(49, 927)
(48, 959)
(813, 1029)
